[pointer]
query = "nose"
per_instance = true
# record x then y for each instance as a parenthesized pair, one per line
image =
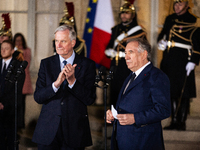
(58, 44)
(126, 56)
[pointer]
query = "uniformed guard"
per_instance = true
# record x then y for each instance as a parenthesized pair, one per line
(69, 19)
(127, 29)
(6, 34)
(181, 54)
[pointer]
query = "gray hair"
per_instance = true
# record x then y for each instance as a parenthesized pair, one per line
(72, 33)
(143, 45)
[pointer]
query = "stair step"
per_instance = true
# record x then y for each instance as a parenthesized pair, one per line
(26, 144)
(185, 136)
(192, 123)
(174, 145)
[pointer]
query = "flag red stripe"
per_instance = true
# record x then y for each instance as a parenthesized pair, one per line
(100, 40)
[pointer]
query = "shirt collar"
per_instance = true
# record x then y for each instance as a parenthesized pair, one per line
(7, 62)
(69, 60)
(140, 70)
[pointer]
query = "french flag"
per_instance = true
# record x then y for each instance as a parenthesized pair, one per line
(98, 31)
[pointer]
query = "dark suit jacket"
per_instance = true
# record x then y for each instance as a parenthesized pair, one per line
(7, 98)
(67, 104)
(148, 98)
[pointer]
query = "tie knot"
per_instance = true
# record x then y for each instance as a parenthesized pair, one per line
(133, 76)
(64, 62)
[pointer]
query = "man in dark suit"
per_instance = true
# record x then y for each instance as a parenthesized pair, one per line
(142, 102)
(65, 92)
(127, 29)
(7, 95)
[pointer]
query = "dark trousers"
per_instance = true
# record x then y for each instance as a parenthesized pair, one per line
(7, 138)
(114, 145)
(58, 142)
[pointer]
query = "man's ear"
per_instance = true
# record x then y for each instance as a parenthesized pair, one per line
(12, 51)
(145, 54)
(73, 43)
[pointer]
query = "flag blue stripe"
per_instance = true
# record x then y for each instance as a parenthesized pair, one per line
(88, 36)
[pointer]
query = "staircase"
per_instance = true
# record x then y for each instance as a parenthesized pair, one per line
(174, 140)
(183, 140)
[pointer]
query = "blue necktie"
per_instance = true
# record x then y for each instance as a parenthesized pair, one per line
(65, 81)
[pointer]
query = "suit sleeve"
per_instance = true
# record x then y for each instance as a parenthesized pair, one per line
(44, 91)
(161, 104)
(166, 28)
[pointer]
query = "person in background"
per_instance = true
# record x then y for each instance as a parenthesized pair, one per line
(144, 100)
(7, 96)
(179, 40)
(65, 87)
(20, 43)
(127, 29)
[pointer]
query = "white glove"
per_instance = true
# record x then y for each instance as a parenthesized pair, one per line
(110, 52)
(162, 44)
(189, 67)
(15, 48)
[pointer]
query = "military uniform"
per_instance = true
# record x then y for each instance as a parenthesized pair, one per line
(182, 47)
(6, 31)
(115, 51)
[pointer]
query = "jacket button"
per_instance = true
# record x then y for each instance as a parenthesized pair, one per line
(62, 103)
(119, 109)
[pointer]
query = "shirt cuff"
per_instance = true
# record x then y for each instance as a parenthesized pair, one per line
(54, 88)
(71, 86)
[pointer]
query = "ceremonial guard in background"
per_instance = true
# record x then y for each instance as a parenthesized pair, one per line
(6, 34)
(127, 29)
(69, 19)
(179, 41)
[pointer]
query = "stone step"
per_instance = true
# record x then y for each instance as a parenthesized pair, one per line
(183, 136)
(192, 123)
(99, 142)
(174, 145)
(26, 144)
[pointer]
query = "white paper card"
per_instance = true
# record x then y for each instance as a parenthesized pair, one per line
(114, 112)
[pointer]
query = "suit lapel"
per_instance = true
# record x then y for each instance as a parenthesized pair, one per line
(56, 66)
(1, 64)
(1, 69)
(122, 89)
(77, 61)
(140, 78)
